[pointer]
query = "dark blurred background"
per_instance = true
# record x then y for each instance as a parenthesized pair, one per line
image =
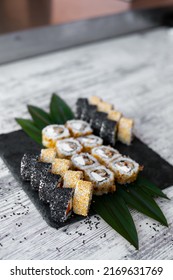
(17, 15)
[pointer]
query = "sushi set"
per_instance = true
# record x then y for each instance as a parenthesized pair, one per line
(79, 159)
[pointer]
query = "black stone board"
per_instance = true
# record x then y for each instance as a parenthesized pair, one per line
(13, 145)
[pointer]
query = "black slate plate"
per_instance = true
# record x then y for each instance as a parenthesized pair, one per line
(13, 145)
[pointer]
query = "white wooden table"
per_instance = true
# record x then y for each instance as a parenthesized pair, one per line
(136, 74)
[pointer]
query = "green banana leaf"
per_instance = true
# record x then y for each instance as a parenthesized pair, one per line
(40, 117)
(60, 112)
(31, 129)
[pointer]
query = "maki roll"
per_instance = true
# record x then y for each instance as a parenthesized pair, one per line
(48, 184)
(60, 166)
(68, 147)
(78, 128)
(104, 107)
(81, 104)
(40, 169)
(114, 115)
(82, 197)
(105, 154)
(94, 100)
(108, 131)
(102, 179)
(125, 130)
(61, 204)
(96, 121)
(90, 141)
(52, 133)
(28, 163)
(83, 161)
(87, 112)
(125, 169)
(48, 155)
(71, 178)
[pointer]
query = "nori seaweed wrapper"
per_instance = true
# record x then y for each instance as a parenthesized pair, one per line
(48, 184)
(80, 105)
(59, 204)
(28, 162)
(88, 112)
(108, 132)
(40, 170)
(96, 121)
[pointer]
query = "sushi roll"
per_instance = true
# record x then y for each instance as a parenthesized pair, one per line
(83, 161)
(114, 115)
(125, 130)
(28, 162)
(81, 104)
(48, 155)
(71, 178)
(95, 100)
(52, 133)
(40, 169)
(48, 185)
(87, 113)
(78, 128)
(104, 107)
(108, 131)
(102, 179)
(60, 166)
(68, 147)
(61, 204)
(97, 120)
(90, 141)
(82, 197)
(105, 154)
(125, 169)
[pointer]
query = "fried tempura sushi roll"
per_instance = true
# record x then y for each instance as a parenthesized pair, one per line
(68, 147)
(61, 204)
(97, 120)
(61, 166)
(48, 155)
(90, 141)
(125, 169)
(82, 197)
(114, 115)
(108, 132)
(40, 169)
(48, 185)
(78, 128)
(104, 107)
(71, 178)
(83, 161)
(81, 104)
(102, 179)
(125, 130)
(105, 154)
(94, 100)
(52, 133)
(28, 163)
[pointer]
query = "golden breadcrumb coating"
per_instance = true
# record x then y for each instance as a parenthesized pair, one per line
(125, 130)
(48, 155)
(71, 178)
(114, 115)
(82, 197)
(95, 100)
(60, 166)
(104, 107)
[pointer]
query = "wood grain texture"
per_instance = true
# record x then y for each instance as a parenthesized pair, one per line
(135, 74)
